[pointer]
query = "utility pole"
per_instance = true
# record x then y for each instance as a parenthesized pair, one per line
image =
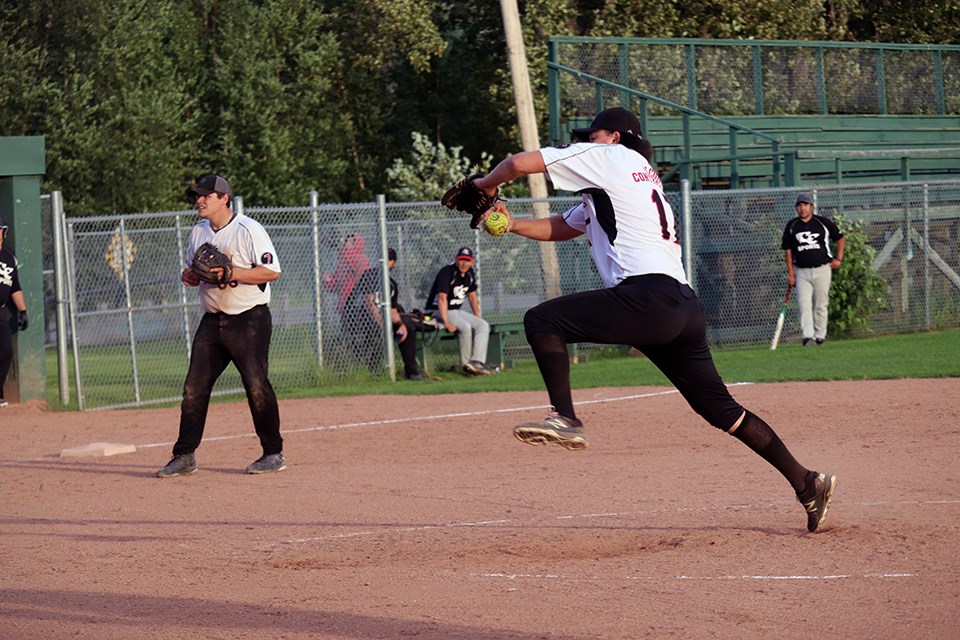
(529, 137)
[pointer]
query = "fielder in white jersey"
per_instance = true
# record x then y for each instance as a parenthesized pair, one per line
(236, 327)
(646, 303)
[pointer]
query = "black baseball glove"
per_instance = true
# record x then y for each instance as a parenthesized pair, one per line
(468, 197)
(212, 266)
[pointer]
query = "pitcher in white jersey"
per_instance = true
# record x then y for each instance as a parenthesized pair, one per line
(646, 302)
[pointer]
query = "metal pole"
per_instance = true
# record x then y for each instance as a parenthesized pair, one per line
(926, 255)
(125, 270)
(385, 284)
(184, 312)
(687, 212)
(59, 262)
(317, 307)
(72, 292)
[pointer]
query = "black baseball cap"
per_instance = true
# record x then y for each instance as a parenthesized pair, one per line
(465, 253)
(613, 119)
(391, 254)
(3, 223)
(207, 184)
(804, 197)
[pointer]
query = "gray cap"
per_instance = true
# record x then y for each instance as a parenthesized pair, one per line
(207, 184)
(804, 197)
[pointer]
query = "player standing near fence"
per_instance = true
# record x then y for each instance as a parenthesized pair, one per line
(810, 266)
(236, 325)
(646, 302)
(10, 295)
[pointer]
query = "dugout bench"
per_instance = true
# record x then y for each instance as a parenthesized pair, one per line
(499, 332)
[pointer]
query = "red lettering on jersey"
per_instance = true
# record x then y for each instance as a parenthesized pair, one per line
(647, 175)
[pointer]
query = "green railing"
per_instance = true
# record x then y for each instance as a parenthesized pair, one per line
(758, 77)
(627, 95)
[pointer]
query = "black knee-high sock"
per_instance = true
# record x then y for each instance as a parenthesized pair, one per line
(550, 350)
(763, 440)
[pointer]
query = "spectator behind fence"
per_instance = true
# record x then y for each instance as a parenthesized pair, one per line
(455, 284)
(362, 321)
(10, 296)
(351, 263)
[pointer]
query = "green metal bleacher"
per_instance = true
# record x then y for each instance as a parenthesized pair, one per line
(905, 126)
(814, 149)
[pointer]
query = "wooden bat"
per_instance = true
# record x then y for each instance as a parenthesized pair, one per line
(783, 314)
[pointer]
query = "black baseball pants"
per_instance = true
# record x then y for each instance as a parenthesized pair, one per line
(653, 313)
(244, 340)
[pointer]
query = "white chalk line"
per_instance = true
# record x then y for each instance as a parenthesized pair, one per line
(395, 421)
(439, 416)
(594, 578)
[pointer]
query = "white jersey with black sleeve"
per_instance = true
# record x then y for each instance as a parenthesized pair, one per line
(629, 224)
(246, 243)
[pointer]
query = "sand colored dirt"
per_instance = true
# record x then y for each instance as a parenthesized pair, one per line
(422, 517)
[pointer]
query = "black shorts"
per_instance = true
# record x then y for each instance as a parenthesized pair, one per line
(658, 316)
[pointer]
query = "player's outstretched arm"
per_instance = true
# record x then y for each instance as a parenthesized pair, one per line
(551, 229)
(516, 166)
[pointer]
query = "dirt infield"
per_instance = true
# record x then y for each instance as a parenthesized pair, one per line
(422, 517)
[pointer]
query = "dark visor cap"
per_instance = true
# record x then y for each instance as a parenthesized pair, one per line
(613, 119)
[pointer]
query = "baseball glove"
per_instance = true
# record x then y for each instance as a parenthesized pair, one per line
(467, 197)
(206, 259)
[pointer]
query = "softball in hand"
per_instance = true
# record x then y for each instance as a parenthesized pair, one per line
(497, 223)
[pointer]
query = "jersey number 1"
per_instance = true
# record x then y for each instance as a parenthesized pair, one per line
(664, 227)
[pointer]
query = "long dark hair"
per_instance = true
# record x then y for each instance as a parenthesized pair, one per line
(640, 145)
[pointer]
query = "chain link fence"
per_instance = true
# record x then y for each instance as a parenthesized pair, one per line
(737, 77)
(131, 321)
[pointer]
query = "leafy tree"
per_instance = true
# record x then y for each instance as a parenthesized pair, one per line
(431, 171)
(930, 22)
(268, 113)
(386, 47)
(107, 97)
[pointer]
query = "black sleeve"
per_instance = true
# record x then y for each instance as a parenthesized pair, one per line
(787, 241)
(441, 284)
(835, 233)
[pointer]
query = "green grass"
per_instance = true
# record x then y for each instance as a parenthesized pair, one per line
(915, 355)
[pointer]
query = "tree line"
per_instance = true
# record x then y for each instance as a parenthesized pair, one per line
(136, 97)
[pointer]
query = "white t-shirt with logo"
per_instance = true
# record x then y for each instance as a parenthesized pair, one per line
(629, 224)
(246, 243)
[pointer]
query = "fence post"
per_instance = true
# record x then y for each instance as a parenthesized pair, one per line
(687, 214)
(881, 85)
(59, 264)
(385, 287)
(553, 93)
(821, 85)
(926, 255)
(757, 81)
(317, 307)
(184, 312)
(72, 292)
(692, 77)
(125, 269)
